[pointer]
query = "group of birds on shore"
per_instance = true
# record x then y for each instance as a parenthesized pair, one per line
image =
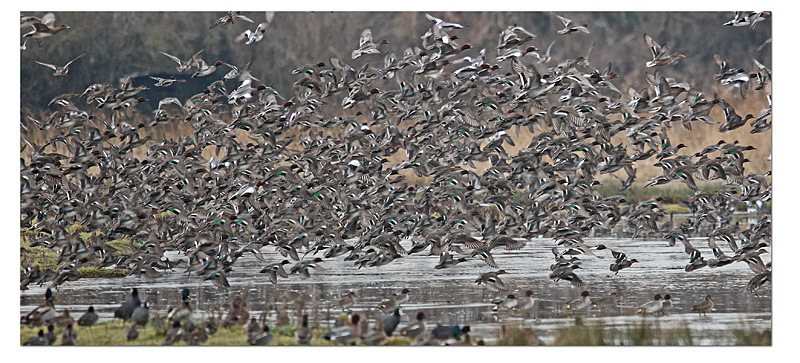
(181, 324)
(292, 179)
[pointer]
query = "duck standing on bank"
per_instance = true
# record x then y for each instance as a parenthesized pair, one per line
(581, 303)
(705, 306)
(415, 330)
(652, 307)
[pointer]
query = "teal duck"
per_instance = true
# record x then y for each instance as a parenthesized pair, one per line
(347, 301)
(264, 337)
(51, 334)
(39, 339)
(444, 332)
(345, 334)
(61, 71)
(274, 270)
(175, 334)
(492, 281)
(44, 29)
(414, 330)
(581, 303)
(528, 303)
(366, 45)
(376, 335)
(230, 18)
(651, 307)
(705, 306)
(570, 26)
(659, 53)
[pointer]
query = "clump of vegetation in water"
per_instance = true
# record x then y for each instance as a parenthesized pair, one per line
(646, 333)
(752, 336)
(518, 335)
(581, 334)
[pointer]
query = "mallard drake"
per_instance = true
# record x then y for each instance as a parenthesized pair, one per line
(183, 312)
(42, 314)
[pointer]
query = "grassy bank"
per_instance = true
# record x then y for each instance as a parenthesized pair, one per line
(579, 333)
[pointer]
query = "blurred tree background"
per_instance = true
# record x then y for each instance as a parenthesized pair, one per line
(119, 44)
(129, 43)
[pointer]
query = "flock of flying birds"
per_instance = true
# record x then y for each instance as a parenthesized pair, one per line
(310, 178)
